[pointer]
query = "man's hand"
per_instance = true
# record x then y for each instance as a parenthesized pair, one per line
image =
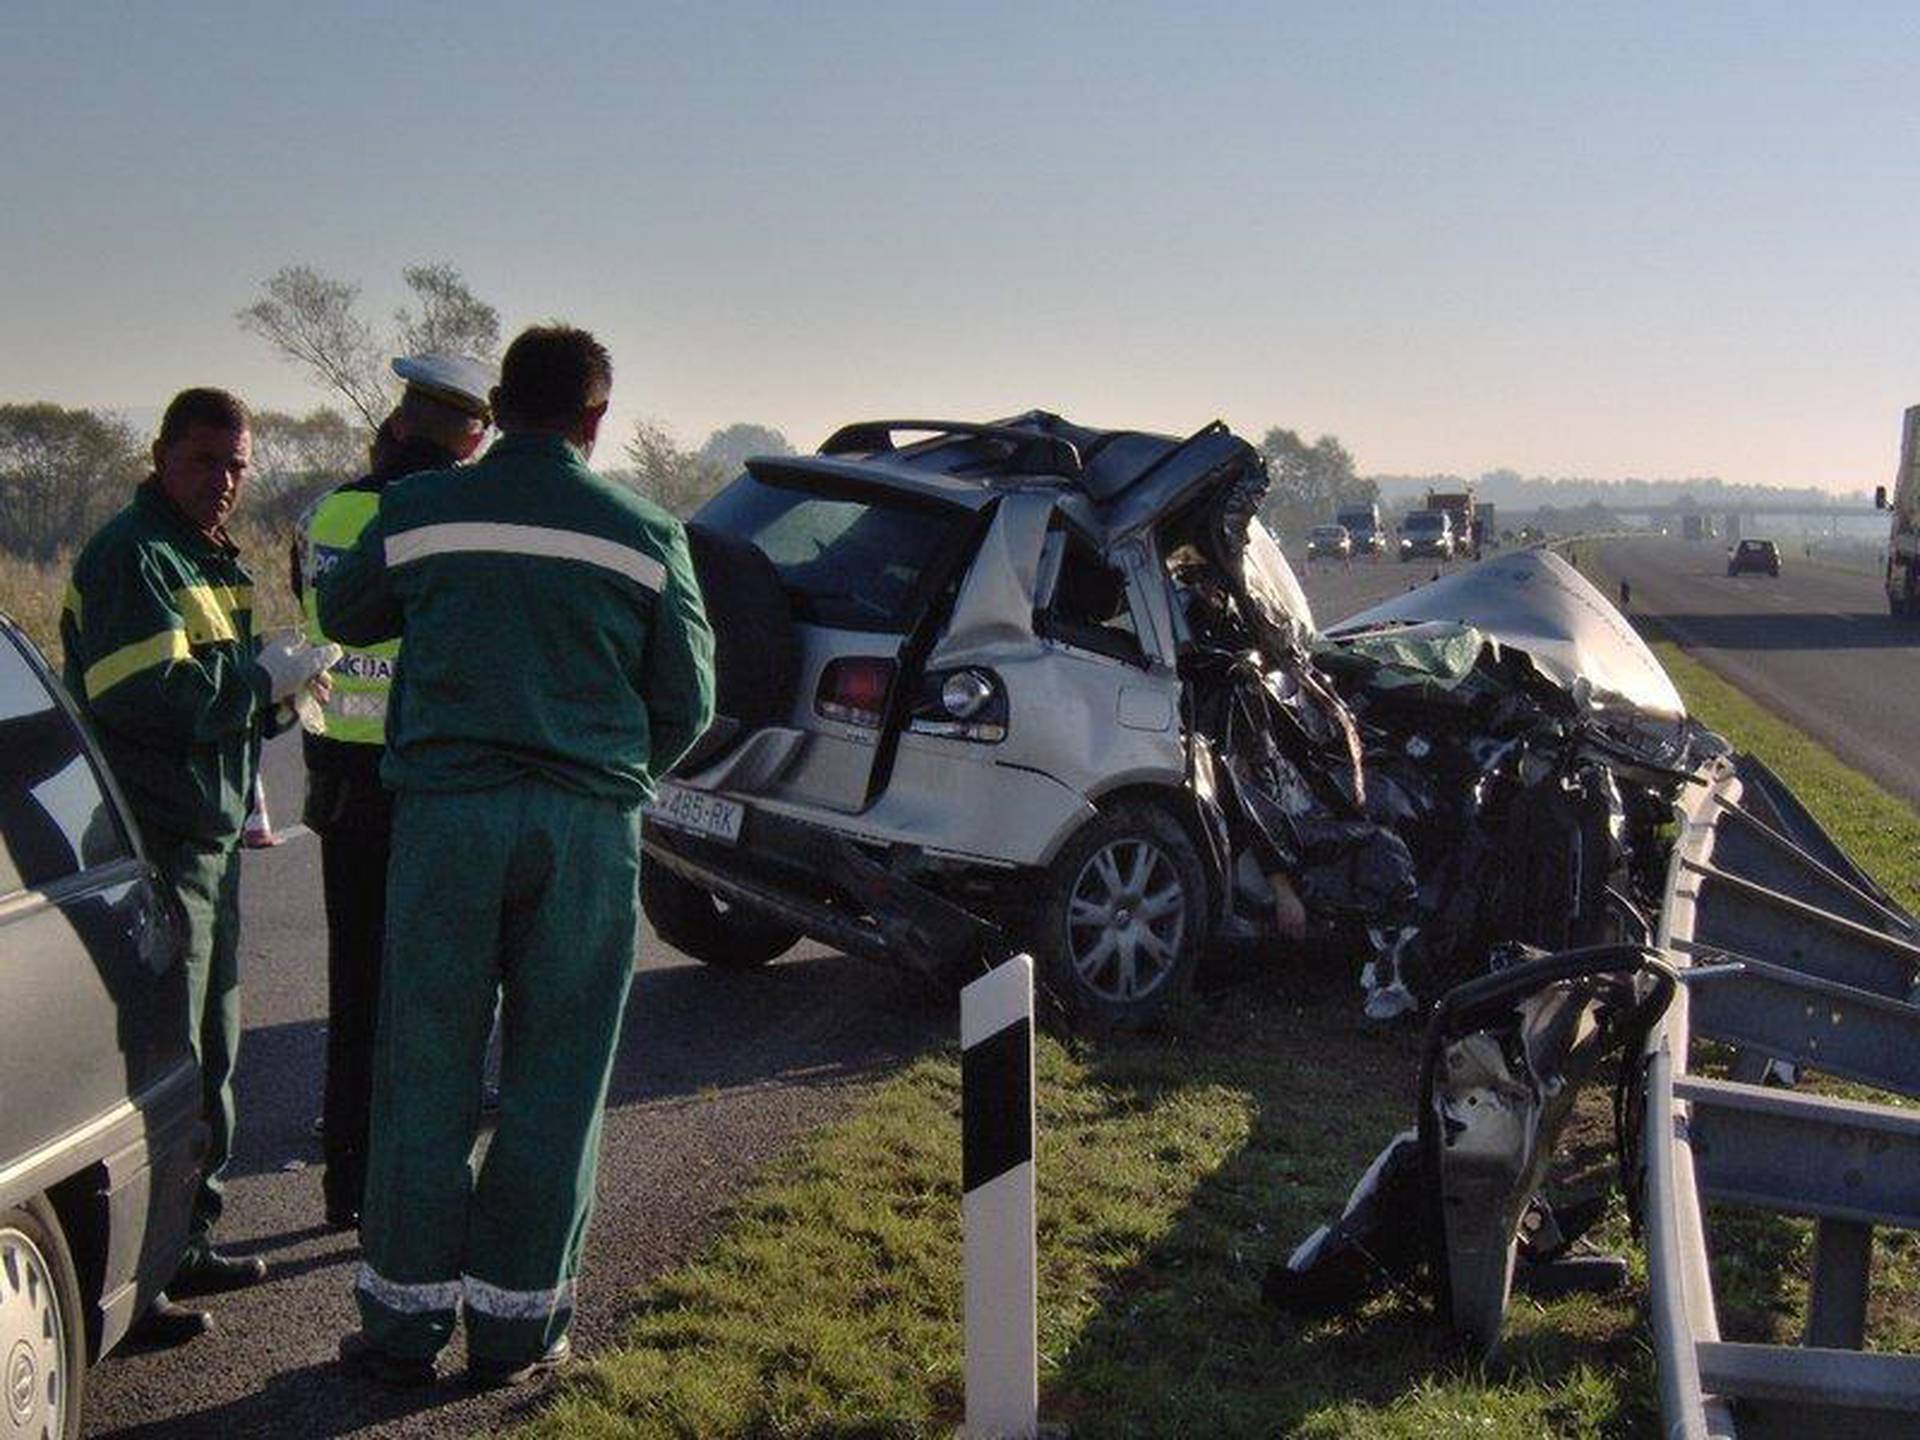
(290, 663)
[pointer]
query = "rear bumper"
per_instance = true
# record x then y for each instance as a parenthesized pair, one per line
(832, 891)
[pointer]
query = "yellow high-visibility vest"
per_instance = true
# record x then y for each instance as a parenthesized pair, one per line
(356, 712)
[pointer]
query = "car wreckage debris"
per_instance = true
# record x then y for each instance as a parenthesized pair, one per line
(1768, 939)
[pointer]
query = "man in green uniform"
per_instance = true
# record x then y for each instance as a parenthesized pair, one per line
(162, 658)
(440, 421)
(557, 659)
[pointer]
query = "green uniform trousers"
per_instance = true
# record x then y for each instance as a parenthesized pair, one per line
(526, 895)
(205, 875)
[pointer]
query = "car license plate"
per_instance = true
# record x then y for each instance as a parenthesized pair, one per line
(697, 811)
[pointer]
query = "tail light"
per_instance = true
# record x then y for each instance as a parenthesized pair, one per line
(853, 690)
(966, 704)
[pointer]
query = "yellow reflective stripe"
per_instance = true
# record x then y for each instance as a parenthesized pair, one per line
(71, 604)
(211, 610)
(130, 660)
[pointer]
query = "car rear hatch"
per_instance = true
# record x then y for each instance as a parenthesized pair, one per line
(868, 561)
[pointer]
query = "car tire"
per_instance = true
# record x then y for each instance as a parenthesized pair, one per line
(1089, 937)
(698, 923)
(43, 1341)
(756, 656)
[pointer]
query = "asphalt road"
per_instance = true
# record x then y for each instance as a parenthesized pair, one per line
(1816, 645)
(717, 1072)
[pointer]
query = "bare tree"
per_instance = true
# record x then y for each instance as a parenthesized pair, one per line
(677, 480)
(451, 319)
(314, 321)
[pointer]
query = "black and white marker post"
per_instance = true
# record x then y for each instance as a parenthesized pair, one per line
(996, 1118)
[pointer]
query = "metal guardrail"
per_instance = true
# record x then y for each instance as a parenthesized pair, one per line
(1791, 955)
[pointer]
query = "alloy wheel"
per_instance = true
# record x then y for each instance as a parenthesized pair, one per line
(1126, 920)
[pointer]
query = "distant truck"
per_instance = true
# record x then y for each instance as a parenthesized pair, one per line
(1903, 542)
(1363, 528)
(1486, 531)
(1696, 527)
(1458, 507)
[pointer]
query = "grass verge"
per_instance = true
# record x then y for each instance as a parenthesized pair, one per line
(1173, 1169)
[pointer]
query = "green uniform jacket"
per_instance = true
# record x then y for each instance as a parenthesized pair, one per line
(158, 632)
(554, 628)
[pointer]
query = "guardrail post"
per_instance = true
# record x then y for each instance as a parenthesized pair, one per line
(996, 1108)
(1837, 1299)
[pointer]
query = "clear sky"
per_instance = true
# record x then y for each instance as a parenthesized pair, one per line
(1602, 240)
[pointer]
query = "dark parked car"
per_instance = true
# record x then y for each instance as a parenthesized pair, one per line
(1761, 557)
(100, 1129)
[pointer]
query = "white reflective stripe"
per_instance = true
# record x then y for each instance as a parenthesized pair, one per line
(421, 1299)
(357, 705)
(517, 1304)
(475, 537)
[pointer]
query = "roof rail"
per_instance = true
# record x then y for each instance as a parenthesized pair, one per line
(1042, 454)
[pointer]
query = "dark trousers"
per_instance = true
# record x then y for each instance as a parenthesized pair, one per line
(353, 866)
(205, 875)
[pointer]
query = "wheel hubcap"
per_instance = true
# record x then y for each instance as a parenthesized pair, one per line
(33, 1342)
(1126, 919)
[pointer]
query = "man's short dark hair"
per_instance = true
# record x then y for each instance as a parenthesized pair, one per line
(216, 409)
(550, 375)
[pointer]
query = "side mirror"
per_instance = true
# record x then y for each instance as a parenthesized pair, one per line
(1879, 497)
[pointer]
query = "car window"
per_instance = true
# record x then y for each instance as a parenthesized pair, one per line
(853, 563)
(54, 818)
(1089, 608)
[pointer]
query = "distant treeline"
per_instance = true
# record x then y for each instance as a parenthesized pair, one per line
(65, 471)
(1533, 492)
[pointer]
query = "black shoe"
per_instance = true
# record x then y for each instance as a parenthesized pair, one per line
(342, 1217)
(208, 1272)
(166, 1322)
(360, 1356)
(499, 1374)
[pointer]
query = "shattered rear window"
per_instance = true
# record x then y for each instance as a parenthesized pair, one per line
(847, 563)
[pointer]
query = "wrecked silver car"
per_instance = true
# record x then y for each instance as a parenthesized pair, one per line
(1028, 685)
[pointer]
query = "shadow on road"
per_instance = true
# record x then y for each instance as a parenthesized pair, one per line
(689, 1030)
(692, 1030)
(311, 1401)
(1789, 630)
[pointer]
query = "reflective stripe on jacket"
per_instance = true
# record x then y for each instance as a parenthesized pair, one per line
(158, 633)
(554, 626)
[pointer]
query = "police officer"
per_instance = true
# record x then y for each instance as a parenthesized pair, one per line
(557, 659)
(440, 421)
(162, 658)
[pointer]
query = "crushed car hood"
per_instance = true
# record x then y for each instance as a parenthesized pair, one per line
(1534, 601)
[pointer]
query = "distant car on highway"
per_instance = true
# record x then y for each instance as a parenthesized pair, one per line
(100, 1131)
(1760, 557)
(1329, 542)
(1427, 532)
